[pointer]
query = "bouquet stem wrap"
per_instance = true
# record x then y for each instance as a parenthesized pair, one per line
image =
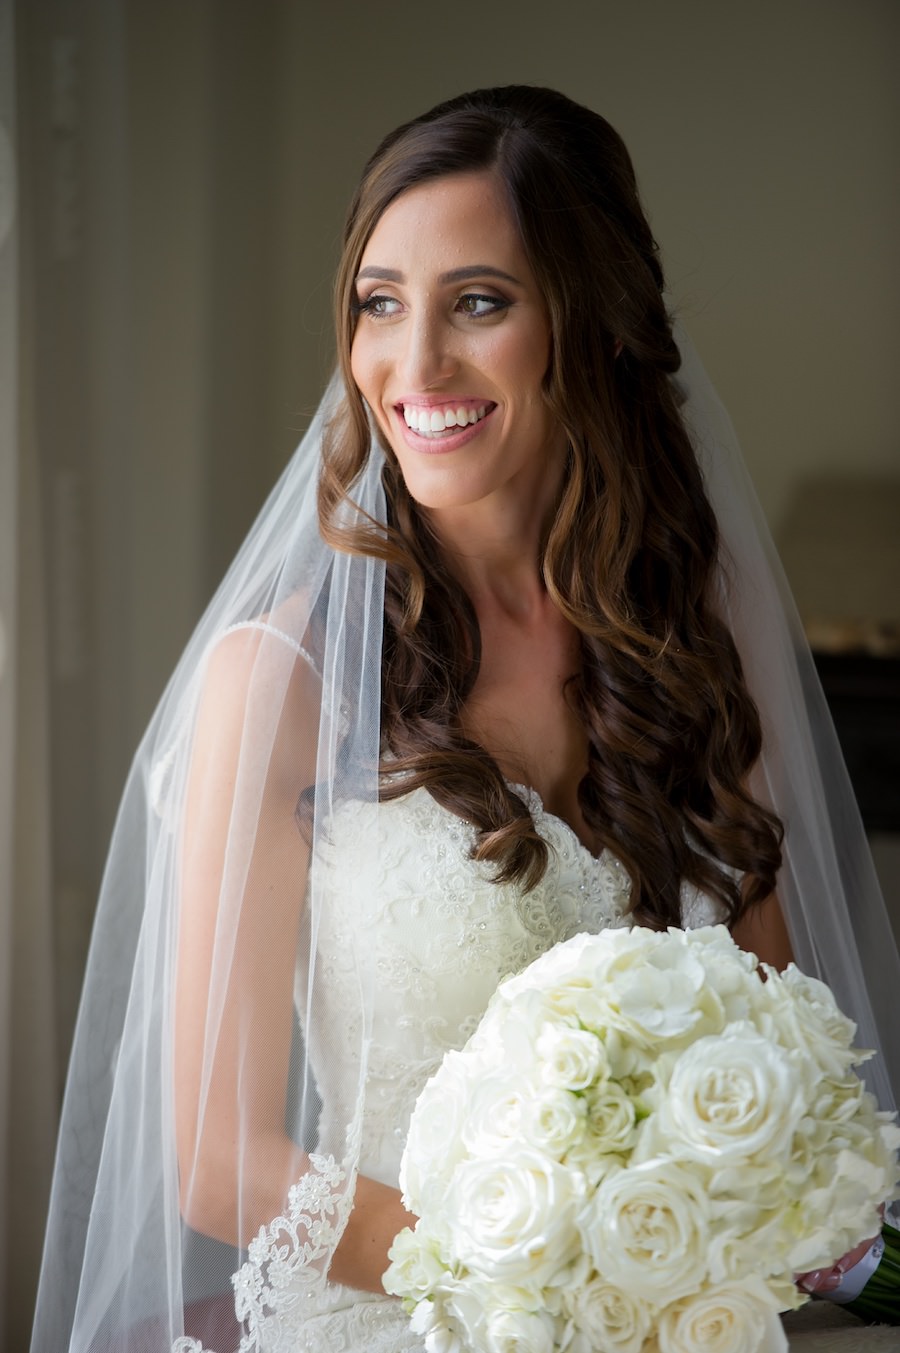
(879, 1301)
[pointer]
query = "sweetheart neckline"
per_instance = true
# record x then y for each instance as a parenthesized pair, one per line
(533, 798)
(536, 803)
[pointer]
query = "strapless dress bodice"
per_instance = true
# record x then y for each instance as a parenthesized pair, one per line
(425, 923)
(418, 935)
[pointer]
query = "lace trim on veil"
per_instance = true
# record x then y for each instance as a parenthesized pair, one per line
(282, 1274)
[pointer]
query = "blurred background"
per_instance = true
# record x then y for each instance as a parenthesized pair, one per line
(173, 177)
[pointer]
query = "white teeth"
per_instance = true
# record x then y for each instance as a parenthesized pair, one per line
(431, 422)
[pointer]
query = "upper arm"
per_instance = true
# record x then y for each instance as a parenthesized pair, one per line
(244, 864)
(244, 869)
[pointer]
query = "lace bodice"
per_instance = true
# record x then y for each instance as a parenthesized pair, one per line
(411, 912)
(439, 936)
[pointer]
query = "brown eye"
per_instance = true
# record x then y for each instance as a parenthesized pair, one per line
(377, 306)
(479, 306)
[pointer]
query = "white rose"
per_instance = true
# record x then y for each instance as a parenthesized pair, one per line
(730, 971)
(508, 1031)
(496, 1112)
(718, 951)
(575, 960)
(443, 1339)
(611, 1319)
(416, 1266)
(513, 1220)
(650, 986)
(520, 1331)
(664, 997)
(713, 942)
(731, 1098)
(738, 1317)
(838, 1209)
(646, 1230)
(465, 1308)
(433, 1144)
(844, 1118)
(431, 1321)
(554, 1122)
(571, 1059)
(805, 1015)
(745, 1241)
(635, 1067)
(611, 1127)
(732, 1253)
(833, 1106)
(489, 1316)
(843, 1164)
(570, 976)
(757, 1186)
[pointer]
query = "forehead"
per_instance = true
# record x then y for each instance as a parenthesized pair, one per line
(452, 221)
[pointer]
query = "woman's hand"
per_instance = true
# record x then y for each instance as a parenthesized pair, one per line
(823, 1281)
(361, 1258)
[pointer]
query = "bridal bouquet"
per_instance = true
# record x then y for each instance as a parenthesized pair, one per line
(638, 1148)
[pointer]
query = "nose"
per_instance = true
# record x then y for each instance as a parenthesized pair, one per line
(428, 352)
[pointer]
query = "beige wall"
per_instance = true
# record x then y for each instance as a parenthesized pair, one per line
(766, 138)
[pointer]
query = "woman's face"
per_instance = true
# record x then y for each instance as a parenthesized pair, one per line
(452, 343)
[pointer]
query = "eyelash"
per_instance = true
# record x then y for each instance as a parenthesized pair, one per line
(497, 304)
(369, 305)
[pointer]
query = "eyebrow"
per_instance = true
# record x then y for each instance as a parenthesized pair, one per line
(455, 275)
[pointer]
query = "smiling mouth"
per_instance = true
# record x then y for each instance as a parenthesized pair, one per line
(432, 422)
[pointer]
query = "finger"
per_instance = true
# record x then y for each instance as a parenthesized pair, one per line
(819, 1280)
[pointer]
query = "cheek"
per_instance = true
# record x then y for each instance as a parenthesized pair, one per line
(360, 367)
(369, 362)
(369, 383)
(522, 363)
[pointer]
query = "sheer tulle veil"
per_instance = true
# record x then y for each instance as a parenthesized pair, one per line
(232, 816)
(840, 930)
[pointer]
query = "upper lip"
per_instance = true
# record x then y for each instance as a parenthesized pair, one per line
(442, 402)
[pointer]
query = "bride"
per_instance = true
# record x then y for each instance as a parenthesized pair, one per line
(503, 659)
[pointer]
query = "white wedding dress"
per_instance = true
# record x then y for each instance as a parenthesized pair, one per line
(435, 936)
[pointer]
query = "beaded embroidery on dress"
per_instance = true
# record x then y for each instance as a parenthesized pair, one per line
(438, 935)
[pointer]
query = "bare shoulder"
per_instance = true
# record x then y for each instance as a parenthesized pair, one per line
(261, 695)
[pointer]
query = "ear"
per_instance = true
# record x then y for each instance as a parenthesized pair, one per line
(617, 347)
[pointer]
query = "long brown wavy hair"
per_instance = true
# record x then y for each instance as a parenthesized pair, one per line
(631, 558)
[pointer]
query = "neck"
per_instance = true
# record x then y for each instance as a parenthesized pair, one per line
(495, 547)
